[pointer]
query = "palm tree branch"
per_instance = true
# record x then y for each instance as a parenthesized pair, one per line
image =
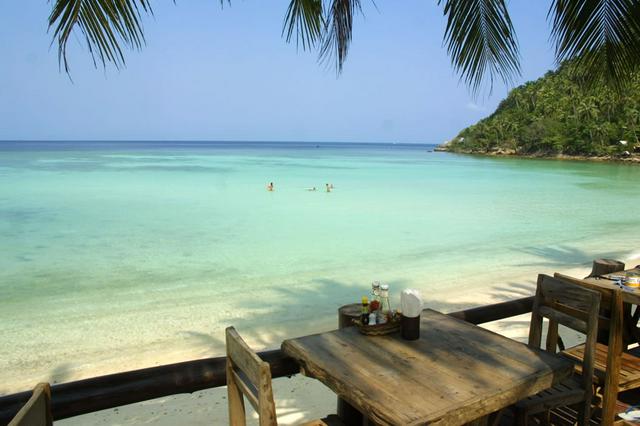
(338, 31)
(105, 24)
(481, 41)
(305, 19)
(602, 35)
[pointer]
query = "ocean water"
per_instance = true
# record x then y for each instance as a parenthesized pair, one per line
(122, 255)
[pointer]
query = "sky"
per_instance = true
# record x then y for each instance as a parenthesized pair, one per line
(212, 73)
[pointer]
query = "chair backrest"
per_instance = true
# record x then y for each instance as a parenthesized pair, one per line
(574, 307)
(610, 302)
(612, 309)
(248, 376)
(37, 410)
(607, 293)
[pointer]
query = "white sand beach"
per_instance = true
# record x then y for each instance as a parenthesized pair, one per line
(300, 398)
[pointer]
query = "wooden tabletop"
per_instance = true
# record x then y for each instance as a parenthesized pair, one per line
(628, 295)
(455, 373)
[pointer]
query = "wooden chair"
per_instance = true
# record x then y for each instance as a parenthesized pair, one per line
(574, 307)
(249, 376)
(37, 410)
(615, 370)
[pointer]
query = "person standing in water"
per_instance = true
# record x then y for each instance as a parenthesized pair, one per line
(270, 186)
(328, 187)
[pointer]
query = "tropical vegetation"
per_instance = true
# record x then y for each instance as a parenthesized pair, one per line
(559, 114)
(603, 35)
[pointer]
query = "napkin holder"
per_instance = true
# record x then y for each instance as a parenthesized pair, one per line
(410, 327)
(411, 302)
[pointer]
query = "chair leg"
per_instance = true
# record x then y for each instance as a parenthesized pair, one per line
(545, 418)
(494, 418)
(521, 417)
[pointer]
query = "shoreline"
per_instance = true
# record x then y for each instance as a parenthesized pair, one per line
(632, 159)
(300, 398)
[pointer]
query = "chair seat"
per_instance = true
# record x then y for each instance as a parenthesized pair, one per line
(566, 393)
(331, 420)
(629, 365)
(568, 416)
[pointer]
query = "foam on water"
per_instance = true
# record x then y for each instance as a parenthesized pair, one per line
(119, 255)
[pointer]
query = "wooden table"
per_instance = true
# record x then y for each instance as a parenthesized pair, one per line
(629, 298)
(623, 331)
(455, 373)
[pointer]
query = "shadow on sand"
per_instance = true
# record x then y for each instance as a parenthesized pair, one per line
(564, 255)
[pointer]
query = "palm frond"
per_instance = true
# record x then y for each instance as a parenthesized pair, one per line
(105, 24)
(481, 41)
(602, 35)
(305, 19)
(338, 30)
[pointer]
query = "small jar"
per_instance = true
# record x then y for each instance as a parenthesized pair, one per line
(633, 282)
(372, 318)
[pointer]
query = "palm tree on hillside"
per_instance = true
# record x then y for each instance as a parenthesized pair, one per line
(603, 35)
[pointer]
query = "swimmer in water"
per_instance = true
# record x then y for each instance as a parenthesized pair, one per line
(270, 186)
(311, 189)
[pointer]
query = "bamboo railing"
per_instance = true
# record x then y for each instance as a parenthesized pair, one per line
(113, 390)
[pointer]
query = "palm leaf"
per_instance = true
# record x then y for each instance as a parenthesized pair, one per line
(305, 19)
(338, 29)
(602, 35)
(481, 41)
(105, 24)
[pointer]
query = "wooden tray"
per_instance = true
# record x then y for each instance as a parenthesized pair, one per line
(378, 329)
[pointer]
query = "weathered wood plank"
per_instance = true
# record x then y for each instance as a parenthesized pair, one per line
(37, 410)
(495, 312)
(454, 374)
(251, 376)
(243, 357)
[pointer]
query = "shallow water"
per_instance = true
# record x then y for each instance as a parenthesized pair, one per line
(134, 250)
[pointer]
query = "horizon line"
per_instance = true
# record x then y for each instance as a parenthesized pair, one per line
(213, 141)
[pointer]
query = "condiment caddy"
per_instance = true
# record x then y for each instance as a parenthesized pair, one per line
(377, 317)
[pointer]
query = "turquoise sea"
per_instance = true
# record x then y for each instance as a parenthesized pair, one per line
(117, 255)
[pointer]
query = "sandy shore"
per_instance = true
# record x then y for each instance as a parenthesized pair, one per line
(300, 398)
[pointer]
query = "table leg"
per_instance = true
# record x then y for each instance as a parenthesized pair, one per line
(631, 324)
(612, 379)
(482, 421)
(347, 413)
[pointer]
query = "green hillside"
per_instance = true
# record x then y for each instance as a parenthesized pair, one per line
(558, 115)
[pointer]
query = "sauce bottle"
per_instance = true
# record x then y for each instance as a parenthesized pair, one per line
(385, 307)
(375, 291)
(364, 317)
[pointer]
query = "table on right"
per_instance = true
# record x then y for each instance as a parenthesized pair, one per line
(630, 297)
(616, 369)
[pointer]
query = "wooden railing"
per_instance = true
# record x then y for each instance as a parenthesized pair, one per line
(113, 390)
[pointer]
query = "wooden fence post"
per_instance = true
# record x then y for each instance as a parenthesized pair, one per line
(605, 266)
